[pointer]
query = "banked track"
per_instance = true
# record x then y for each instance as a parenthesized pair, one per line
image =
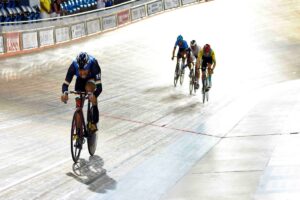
(152, 134)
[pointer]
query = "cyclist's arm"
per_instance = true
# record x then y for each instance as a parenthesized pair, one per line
(97, 72)
(71, 72)
(174, 49)
(214, 60)
(173, 53)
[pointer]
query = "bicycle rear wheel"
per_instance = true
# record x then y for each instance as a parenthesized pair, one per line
(92, 143)
(76, 137)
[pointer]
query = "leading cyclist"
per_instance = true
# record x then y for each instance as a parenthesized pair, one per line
(88, 73)
(183, 46)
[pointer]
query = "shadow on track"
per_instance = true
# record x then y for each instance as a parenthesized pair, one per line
(90, 172)
(188, 108)
(174, 97)
(160, 89)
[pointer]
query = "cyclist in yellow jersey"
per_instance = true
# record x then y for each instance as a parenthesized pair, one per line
(206, 59)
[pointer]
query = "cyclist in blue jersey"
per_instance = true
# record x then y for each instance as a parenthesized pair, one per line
(183, 46)
(88, 73)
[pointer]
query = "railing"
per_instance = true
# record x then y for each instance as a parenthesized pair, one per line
(20, 37)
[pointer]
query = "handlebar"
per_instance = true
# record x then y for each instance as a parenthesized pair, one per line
(82, 94)
(75, 92)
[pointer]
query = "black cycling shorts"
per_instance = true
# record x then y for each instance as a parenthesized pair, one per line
(180, 52)
(80, 84)
(205, 61)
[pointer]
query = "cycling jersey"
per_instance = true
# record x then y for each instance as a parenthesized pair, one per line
(184, 45)
(206, 59)
(211, 55)
(190, 55)
(93, 75)
(196, 51)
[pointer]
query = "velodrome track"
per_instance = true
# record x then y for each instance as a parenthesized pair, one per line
(157, 141)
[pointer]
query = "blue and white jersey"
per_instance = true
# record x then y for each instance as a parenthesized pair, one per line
(93, 75)
(92, 63)
(184, 45)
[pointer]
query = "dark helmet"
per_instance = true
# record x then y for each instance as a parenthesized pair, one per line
(82, 59)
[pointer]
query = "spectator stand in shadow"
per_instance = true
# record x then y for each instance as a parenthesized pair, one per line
(91, 173)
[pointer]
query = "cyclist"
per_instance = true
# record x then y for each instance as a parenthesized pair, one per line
(88, 73)
(195, 48)
(206, 58)
(190, 58)
(183, 46)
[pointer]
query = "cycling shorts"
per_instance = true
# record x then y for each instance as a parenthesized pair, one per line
(205, 61)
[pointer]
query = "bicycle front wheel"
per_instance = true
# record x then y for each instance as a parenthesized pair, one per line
(181, 76)
(176, 76)
(175, 79)
(76, 136)
(204, 90)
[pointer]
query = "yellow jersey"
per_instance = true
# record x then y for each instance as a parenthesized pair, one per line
(201, 55)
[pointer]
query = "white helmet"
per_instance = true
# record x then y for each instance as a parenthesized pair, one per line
(193, 43)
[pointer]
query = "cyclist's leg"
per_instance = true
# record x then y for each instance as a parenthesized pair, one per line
(95, 111)
(210, 72)
(209, 66)
(180, 56)
(197, 74)
(177, 63)
(191, 67)
(90, 87)
(183, 63)
(203, 70)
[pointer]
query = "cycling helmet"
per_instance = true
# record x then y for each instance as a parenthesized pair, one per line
(82, 60)
(207, 48)
(193, 43)
(179, 38)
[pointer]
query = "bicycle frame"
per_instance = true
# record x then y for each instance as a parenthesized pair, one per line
(79, 108)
